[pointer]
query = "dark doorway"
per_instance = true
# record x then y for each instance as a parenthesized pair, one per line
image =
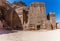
(38, 27)
(18, 28)
(52, 26)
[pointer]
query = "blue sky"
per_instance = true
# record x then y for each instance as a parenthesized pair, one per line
(51, 6)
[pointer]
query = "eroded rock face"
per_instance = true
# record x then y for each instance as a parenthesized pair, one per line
(2, 2)
(18, 16)
(19, 3)
(37, 15)
(58, 25)
(1, 25)
(52, 19)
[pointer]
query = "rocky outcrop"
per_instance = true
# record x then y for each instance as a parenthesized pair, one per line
(18, 16)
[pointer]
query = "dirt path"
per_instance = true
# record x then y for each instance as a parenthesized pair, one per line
(31, 36)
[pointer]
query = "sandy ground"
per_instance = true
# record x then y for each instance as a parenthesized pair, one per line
(31, 36)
